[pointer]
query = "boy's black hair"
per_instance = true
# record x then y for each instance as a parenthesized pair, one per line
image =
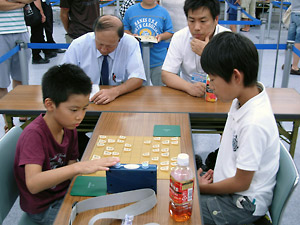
(106, 22)
(212, 5)
(59, 82)
(227, 51)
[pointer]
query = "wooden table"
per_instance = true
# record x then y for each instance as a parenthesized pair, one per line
(26, 100)
(137, 124)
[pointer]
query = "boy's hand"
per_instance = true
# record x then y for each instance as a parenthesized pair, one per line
(196, 89)
(92, 166)
(207, 178)
(158, 37)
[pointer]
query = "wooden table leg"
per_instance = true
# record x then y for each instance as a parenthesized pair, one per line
(294, 136)
(290, 136)
(9, 120)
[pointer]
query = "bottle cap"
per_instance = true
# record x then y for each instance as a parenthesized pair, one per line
(183, 159)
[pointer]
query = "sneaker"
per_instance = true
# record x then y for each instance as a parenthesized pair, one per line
(295, 72)
(59, 50)
(40, 61)
(49, 55)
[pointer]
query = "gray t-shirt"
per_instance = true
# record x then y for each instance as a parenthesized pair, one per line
(82, 14)
(295, 5)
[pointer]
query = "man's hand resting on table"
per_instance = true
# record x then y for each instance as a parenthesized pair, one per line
(105, 96)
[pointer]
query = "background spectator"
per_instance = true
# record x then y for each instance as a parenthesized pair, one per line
(78, 17)
(108, 57)
(125, 5)
(175, 9)
(150, 19)
(12, 29)
(187, 44)
(249, 6)
(294, 34)
(232, 14)
(37, 33)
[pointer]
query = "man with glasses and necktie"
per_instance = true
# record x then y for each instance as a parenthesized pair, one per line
(108, 57)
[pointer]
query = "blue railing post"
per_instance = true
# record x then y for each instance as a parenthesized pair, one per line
(23, 61)
(287, 63)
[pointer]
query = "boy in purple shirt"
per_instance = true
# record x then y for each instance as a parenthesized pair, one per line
(47, 150)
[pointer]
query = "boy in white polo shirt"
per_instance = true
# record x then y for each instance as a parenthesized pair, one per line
(240, 189)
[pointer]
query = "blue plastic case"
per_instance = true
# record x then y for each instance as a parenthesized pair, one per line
(120, 179)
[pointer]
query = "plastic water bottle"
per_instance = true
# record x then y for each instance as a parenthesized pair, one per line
(181, 189)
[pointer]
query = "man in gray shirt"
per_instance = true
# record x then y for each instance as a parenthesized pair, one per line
(294, 34)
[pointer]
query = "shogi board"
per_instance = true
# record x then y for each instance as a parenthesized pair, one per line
(161, 151)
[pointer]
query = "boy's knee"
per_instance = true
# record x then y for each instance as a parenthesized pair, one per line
(211, 210)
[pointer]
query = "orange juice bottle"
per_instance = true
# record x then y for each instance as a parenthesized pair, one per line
(181, 190)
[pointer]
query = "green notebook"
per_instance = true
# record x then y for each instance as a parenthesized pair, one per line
(166, 131)
(89, 186)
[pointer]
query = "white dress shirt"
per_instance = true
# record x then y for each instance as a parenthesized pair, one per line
(125, 61)
(180, 56)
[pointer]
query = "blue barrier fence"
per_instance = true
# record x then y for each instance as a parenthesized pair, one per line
(146, 56)
(47, 45)
(9, 54)
(228, 22)
(296, 51)
(278, 3)
(253, 21)
(166, 44)
(106, 4)
(65, 46)
(57, 3)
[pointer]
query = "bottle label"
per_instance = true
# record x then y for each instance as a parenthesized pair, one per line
(181, 192)
(199, 77)
(209, 95)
